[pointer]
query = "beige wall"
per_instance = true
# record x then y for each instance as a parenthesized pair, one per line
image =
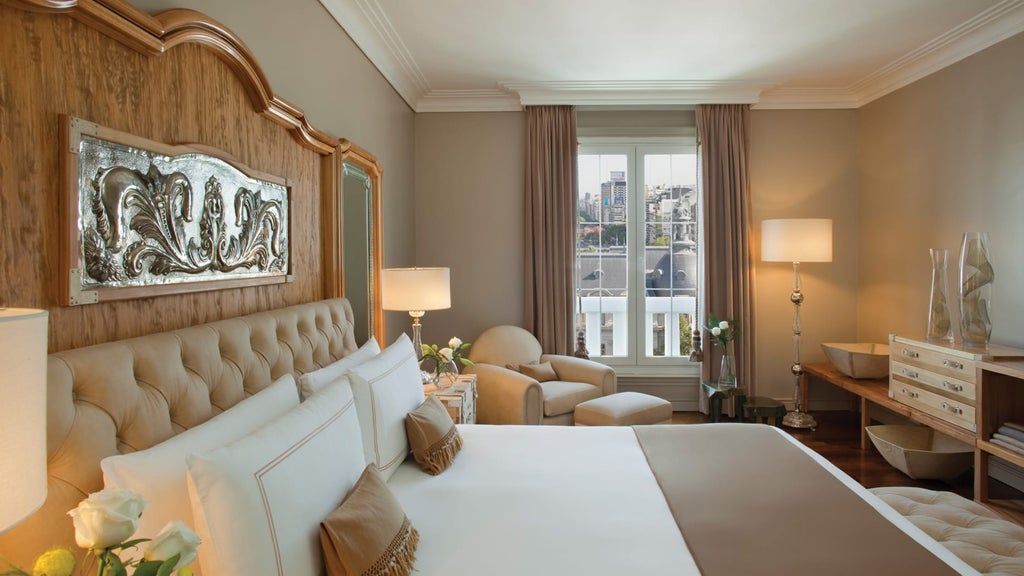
(469, 217)
(803, 165)
(310, 61)
(940, 157)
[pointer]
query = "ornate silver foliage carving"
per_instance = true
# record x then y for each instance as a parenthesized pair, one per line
(138, 226)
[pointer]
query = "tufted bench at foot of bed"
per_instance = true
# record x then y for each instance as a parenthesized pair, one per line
(978, 536)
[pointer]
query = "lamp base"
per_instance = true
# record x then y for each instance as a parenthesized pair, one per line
(797, 419)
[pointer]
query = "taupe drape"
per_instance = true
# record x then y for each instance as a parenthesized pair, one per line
(728, 278)
(550, 220)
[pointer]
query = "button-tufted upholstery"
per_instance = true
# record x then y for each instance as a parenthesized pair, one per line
(977, 535)
(128, 395)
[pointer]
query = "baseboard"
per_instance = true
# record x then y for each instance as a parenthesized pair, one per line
(681, 392)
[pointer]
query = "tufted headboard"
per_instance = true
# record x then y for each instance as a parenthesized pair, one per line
(131, 394)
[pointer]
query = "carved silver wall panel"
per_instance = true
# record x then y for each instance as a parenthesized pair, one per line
(146, 218)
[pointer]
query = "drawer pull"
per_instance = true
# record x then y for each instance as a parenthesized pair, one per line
(909, 393)
(954, 387)
(910, 353)
(953, 364)
(954, 409)
(909, 373)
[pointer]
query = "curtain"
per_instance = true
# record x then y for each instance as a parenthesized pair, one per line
(550, 225)
(727, 263)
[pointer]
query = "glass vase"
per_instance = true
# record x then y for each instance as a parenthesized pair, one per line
(976, 276)
(445, 374)
(940, 325)
(727, 371)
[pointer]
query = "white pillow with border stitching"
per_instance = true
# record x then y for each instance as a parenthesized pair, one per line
(387, 388)
(311, 382)
(158, 473)
(258, 502)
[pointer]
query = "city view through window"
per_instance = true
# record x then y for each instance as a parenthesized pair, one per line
(648, 220)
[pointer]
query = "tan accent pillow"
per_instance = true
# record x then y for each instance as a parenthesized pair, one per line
(433, 436)
(369, 533)
(539, 372)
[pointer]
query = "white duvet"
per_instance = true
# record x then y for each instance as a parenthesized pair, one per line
(538, 500)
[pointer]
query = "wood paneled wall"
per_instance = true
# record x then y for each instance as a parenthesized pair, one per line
(53, 64)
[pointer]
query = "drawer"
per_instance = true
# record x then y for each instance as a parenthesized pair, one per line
(941, 407)
(946, 363)
(957, 388)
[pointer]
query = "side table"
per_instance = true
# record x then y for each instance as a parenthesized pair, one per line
(459, 398)
(716, 394)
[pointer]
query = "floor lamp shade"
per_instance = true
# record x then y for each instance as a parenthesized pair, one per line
(23, 421)
(409, 289)
(796, 240)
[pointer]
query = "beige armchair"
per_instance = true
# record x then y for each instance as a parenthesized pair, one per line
(507, 396)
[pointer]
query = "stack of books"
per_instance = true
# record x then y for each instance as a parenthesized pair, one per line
(1011, 436)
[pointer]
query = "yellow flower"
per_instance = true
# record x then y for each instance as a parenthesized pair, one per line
(56, 562)
(186, 571)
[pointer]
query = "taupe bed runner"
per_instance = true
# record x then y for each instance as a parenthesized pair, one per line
(731, 488)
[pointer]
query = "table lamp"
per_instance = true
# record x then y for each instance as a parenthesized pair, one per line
(797, 240)
(416, 290)
(23, 425)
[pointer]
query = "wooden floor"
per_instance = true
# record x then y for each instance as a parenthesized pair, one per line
(837, 438)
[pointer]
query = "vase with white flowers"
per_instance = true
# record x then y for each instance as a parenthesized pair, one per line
(104, 522)
(724, 332)
(447, 360)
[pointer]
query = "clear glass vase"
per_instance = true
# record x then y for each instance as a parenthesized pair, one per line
(727, 370)
(940, 324)
(976, 277)
(445, 374)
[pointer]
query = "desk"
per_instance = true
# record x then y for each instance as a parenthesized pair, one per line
(877, 391)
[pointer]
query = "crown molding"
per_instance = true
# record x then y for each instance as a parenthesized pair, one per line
(368, 26)
(468, 101)
(992, 26)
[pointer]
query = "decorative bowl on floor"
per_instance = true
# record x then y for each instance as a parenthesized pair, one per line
(860, 360)
(920, 452)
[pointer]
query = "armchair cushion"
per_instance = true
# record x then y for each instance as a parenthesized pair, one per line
(561, 397)
(540, 372)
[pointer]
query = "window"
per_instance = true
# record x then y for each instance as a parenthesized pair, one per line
(636, 252)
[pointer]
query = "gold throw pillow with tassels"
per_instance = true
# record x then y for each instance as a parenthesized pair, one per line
(369, 534)
(433, 436)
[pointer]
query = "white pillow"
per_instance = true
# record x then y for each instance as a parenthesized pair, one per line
(258, 502)
(158, 473)
(312, 382)
(387, 388)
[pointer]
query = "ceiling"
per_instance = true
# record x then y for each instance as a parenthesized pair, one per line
(485, 55)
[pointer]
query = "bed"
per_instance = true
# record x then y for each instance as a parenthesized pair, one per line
(698, 499)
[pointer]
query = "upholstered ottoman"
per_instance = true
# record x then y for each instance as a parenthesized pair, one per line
(623, 409)
(975, 534)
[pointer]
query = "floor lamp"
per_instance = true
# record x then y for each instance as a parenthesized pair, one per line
(416, 290)
(797, 240)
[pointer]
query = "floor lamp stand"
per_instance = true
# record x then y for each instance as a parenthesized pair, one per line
(797, 418)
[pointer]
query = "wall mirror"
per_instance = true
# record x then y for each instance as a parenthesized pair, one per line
(353, 237)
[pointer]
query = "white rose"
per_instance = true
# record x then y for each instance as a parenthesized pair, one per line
(724, 324)
(107, 518)
(446, 353)
(175, 538)
(454, 343)
(716, 331)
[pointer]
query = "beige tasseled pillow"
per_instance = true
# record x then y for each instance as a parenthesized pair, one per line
(542, 372)
(433, 436)
(369, 534)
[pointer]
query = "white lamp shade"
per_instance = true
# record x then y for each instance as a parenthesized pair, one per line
(23, 422)
(419, 289)
(796, 240)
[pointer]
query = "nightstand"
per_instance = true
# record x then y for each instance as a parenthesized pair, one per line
(459, 398)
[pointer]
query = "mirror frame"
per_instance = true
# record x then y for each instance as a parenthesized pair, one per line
(332, 219)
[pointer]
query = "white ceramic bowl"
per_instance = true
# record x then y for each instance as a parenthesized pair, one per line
(860, 360)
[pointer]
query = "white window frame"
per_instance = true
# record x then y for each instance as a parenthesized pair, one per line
(635, 363)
